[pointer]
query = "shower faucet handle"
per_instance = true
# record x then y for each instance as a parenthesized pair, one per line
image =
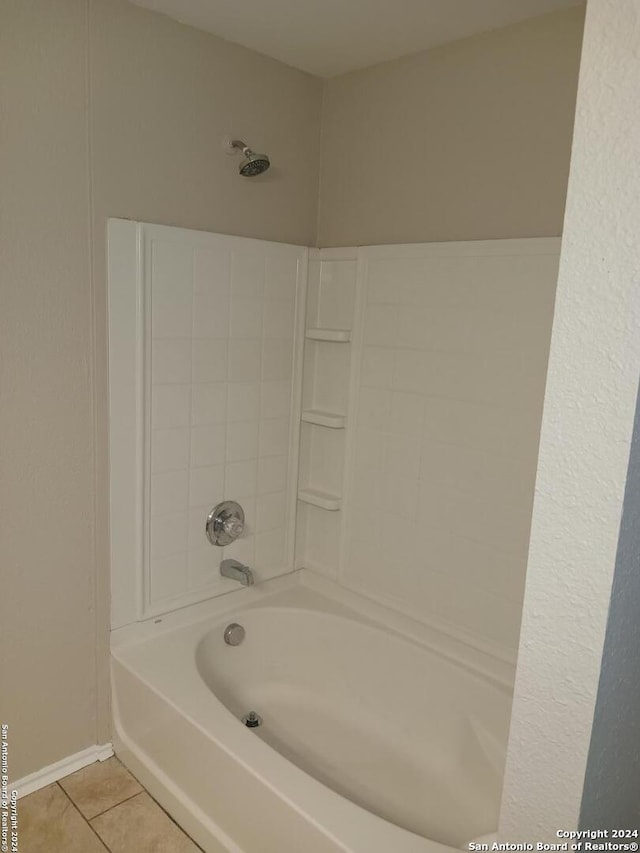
(233, 527)
(225, 523)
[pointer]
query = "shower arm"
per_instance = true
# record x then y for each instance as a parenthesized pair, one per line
(242, 146)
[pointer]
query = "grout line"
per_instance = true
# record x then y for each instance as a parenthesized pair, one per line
(175, 822)
(115, 805)
(74, 806)
(164, 811)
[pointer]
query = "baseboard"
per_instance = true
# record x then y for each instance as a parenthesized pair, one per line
(42, 778)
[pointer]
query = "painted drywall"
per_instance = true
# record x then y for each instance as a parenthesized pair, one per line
(108, 110)
(469, 141)
(612, 778)
(163, 97)
(586, 435)
(331, 38)
(46, 432)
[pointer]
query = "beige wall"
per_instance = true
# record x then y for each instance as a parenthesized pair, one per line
(468, 141)
(46, 445)
(108, 110)
(163, 96)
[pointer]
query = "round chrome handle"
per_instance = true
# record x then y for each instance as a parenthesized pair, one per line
(225, 523)
(233, 526)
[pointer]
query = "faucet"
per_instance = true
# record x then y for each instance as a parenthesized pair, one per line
(237, 572)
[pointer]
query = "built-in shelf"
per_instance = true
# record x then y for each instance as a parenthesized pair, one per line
(323, 500)
(338, 336)
(333, 420)
(330, 331)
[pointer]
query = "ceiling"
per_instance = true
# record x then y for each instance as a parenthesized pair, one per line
(329, 37)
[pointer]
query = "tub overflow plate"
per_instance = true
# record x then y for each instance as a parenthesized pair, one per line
(233, 634)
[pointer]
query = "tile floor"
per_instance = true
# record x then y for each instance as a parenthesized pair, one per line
(100, 808)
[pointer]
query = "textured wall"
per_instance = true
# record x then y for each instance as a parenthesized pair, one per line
(586, 435)
(469, 141)
(612, 780)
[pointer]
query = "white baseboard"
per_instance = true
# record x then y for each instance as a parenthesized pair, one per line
(42, 778)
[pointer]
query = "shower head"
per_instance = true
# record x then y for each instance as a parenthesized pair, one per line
(253, 164)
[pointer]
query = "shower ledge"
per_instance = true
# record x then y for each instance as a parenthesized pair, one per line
(323, 500)
(333, 420)
(338, 336)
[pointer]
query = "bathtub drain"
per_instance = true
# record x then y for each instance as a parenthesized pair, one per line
(252, 720)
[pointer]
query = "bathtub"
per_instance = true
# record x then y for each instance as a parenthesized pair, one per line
(379, 735)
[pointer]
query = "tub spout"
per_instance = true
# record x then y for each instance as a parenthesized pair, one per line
(236, 571)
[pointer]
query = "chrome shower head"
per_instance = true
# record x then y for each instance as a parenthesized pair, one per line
(253, 164)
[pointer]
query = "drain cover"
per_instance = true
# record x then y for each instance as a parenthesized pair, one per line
(252, 720)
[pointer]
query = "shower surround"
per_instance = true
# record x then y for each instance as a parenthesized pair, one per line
(376, 412)
(442, 386)
(204, 360)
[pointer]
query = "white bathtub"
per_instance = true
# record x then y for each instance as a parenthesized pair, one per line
(379, 736)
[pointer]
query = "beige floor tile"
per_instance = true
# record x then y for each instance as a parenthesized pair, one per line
(140, 826)
(49, 823)
(100, 786)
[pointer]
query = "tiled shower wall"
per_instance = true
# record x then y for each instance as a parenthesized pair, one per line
(421, 404)
(222, 325)
(453, 353)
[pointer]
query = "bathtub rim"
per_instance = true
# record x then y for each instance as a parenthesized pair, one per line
(462, 651)
(338, 818)
(341, 821)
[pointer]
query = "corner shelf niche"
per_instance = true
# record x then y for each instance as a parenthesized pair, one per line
(323, 500)
(325, 389)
